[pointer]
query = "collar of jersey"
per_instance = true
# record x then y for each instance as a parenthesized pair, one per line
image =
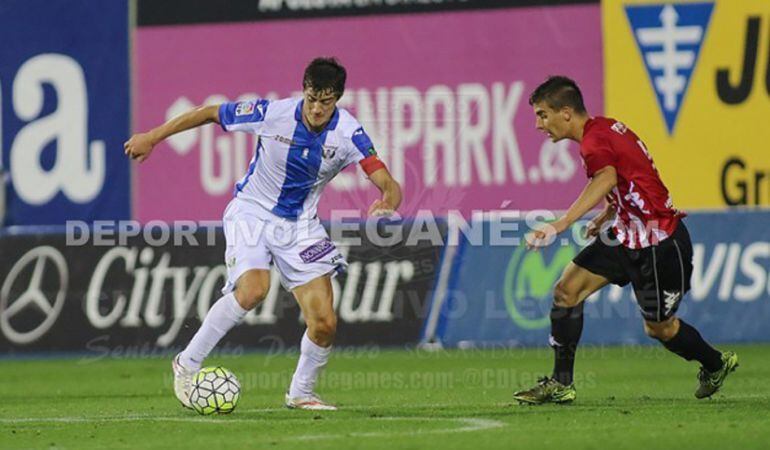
(589, 123)
(329, 126)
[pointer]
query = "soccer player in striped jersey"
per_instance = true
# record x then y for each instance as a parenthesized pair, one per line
(640, 239)
(303, 143)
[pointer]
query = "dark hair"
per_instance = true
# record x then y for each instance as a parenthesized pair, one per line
(558, 92)
(325, 74)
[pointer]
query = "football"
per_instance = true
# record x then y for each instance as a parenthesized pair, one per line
(214, 390)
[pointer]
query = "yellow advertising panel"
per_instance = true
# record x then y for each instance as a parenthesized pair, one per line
(693, 80)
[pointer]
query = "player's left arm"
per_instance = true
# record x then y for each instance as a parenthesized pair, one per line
(603, 181)
(390, 189)
(594, 226)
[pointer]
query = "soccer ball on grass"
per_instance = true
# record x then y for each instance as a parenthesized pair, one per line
(214, 390)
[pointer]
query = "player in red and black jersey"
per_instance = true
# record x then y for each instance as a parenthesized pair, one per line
(640, 239)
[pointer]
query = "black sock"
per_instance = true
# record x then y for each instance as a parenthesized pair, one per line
(689, 344)
(566, 328)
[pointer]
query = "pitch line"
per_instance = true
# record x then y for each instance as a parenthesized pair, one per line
(467, 424)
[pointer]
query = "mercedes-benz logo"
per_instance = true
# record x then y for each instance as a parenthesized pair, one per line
(34, 295)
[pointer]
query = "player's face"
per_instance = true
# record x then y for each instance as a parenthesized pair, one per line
(550, 121)
(318, 107)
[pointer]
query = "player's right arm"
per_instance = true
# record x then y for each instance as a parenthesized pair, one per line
(140, 145)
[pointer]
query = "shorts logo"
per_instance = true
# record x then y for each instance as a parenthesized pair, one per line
(669, 38)
(244, 108)
(671, 300)
(317, 251)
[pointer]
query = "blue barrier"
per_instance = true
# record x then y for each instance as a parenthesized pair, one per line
(501, 295)
(64, 86)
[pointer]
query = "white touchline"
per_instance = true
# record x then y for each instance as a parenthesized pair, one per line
(468, 424)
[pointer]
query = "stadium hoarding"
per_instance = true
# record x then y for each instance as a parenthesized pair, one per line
(64, 101)
(501, 296)
(179, 12)
(447, 110)
(697, 104)
(148, 293)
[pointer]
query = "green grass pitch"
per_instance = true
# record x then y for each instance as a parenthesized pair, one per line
(628, 397)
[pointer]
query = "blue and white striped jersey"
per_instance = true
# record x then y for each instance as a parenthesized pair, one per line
(291, 164)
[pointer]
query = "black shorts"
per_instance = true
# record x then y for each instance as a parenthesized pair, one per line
(660, 274)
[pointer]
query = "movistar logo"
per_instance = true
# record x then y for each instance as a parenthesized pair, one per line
(529, 282)
(669, 38)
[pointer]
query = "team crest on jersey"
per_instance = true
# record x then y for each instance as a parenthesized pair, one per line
(244, 108)
(619, 127)
(329, 151)
(669, 37)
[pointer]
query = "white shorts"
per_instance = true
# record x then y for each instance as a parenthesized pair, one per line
(301, 250)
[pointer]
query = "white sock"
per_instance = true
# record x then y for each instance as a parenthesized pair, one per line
(312, 359)
(224, 315)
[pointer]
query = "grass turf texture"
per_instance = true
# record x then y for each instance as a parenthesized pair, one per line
(640, 397)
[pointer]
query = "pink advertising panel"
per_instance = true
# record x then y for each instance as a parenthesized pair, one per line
(443, 96)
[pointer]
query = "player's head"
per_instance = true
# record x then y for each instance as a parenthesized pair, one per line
(322, 86)
(557, 104)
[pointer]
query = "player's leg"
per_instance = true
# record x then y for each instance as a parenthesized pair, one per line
(574, 286)
(316, 301)
(307, 265)
(663, 281)
(227, 312)
(683, 339)
(248, 280)
(679, 337)
(600, 263)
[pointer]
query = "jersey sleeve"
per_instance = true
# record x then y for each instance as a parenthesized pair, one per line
(598, 154)
(361, 150)
(248, 115)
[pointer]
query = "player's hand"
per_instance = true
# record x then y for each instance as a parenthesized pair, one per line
(592, 230)
(544, 235)
(139, 146)
(380, 209)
